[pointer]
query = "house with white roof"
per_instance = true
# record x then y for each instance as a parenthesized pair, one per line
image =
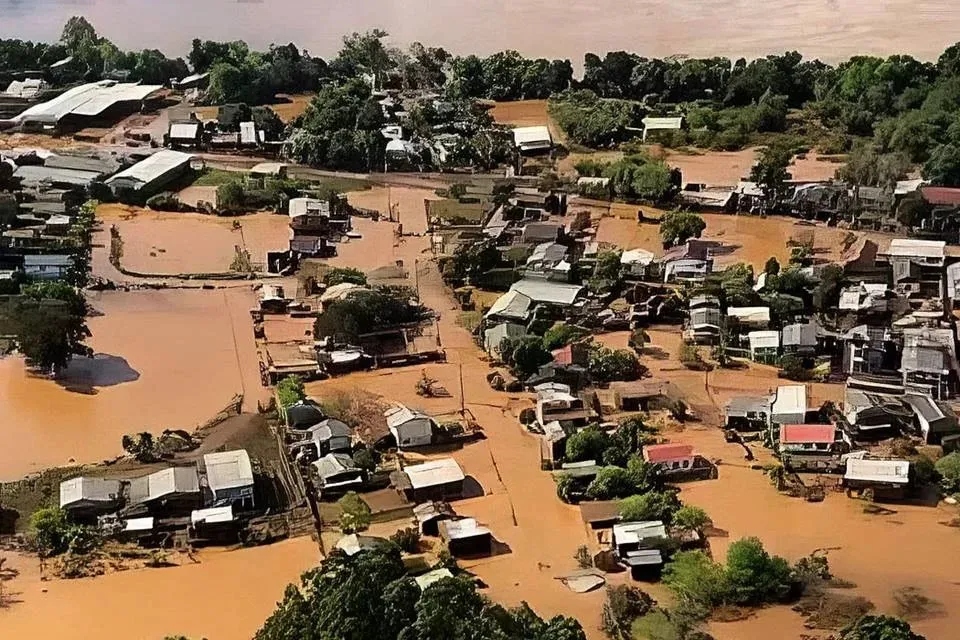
(410, 427)
(532, 140)
(151, 175)
(789, 405)
(229, 476)
(86, 497)
(440, 479)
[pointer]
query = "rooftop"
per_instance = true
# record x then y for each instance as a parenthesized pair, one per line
(808, 433)
(86, 100)
(891, 471)
(434, 473)
(667, 452)
(228, 470)
(463, 529)
(152, 168)
(85, 488)
(790, 399)
(549, 292)
(637, 532)
(910, 248)
(401, 414)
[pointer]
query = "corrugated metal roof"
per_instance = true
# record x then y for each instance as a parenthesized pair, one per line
(333, 464)
(910, 248)
(86, 100)
(463, 529)
(889, 471)
(947, 196)
(637, 532)
(35, 175)
(512, 304)
(802, 335)
(213, 515)
(750, 314)
(228, 470)
(434, 473)
(88, 489)
(532, 136)
(549, 292)
(48, 260)
(808, 433)
(790, 399)
(154, 167)
(402, 414)
(184, 130)
(764, 339)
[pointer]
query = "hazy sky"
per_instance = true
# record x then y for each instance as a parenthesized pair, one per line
(831, 29)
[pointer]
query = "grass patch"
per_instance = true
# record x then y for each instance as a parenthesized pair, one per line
(470, 320)
(217, 177)
(655, 626)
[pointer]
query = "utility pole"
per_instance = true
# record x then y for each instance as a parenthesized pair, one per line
(463, 407)
(416, 275)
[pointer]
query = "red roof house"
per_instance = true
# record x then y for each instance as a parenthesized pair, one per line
(668, 453)
(808, 434)
(944, 196)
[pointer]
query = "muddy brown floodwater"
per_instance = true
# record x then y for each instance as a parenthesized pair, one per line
(166, 359)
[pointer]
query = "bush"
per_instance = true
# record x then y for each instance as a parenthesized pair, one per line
(880, 628)
(624, 604)
(753, 576)
(690, 357)
(612, 483)
(949, 469)
(290, 391)
(697, 582)
(340, 275)
(791, 368)
(367, 459)
(356, 513)
(166, 202)
(53, 533)
(407, 539)
(691, 518)
(561, 334)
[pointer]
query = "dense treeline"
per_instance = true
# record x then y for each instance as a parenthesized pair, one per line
(889, 112)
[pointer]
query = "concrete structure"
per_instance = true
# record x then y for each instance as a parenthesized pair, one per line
(230, 478)
(411, 428)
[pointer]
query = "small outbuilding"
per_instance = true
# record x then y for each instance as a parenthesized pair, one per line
(86, 497)
(230, 478)
(532, 140)
(336, 472)
(173, 490)
(434, 480)
(429, 515)
(466, 537)
(411, 428)
(886, 478)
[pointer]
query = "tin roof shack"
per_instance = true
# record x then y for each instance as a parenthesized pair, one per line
(865, 298)
(47, 267)
(635, 263)
(551, 299)
(549, 261)
(700, 197)
(434, 480)
(875, 416)
(495, 335)
(337, 473)
(184, 133)
(466, 537)
(85, 498)
(327, 436)
(303, 414)
(764, 346)
(172, 492)
(933, 419)
(747, 413)
(150, 176)
(810, 447)
(532, 140)
(886, 479)
(917, 267)
(789, 405)
(689, 262)
(553, 444)
(410, 427)
(869, 350)
(929, 361)
(705, 321)
(643, 395)
(678, 462)
(634, 544)
(214, 524)
(230, 478)
(941, 209)
(556, 404)
(429, 515)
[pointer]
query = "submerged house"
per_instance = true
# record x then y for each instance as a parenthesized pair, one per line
(337, 472)
(151, 175)
(555, 403)
(532, 140)
(706, 320)
(810, 447)
(636, 545)
(466, 537)
(747, 413)
(434, 480)
(175, 490)
(230, 478)
(875, 416)
(85, 497)
(888, 479)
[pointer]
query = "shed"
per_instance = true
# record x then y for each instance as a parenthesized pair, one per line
(248, 133)
(669, 456)
(631, 536)
(495, 335)
(425, 580)
(433, 480)
(331, 436)
(934, 419)
(410, 427)
(430, 514)
(184, 132)
(337, 472)
(512, 305)
(174, 486)
(764, 346)
(532, 139)
(888, 478)
(800, 338)
(668, 123)
(600, 514)
(466, 537)
(85, 497)
(304, 414)
(230, 477)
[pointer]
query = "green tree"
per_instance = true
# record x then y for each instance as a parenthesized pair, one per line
(826, 295)
(588, 444)
(608, 365)
(736, 282)
(50, 331)
(654, 505)
(366, 311)
(753, 576)
(290, 390)
(676, 227)
(943, 167)
(355, 514)
(627, 441)
(562, 334)
(879, 628)
(772, 267)
(524, 355)
(771, 175)
(691, 518)
(697, 582)
(340, 275)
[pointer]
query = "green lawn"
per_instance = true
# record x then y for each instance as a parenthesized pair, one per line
(217, 177)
